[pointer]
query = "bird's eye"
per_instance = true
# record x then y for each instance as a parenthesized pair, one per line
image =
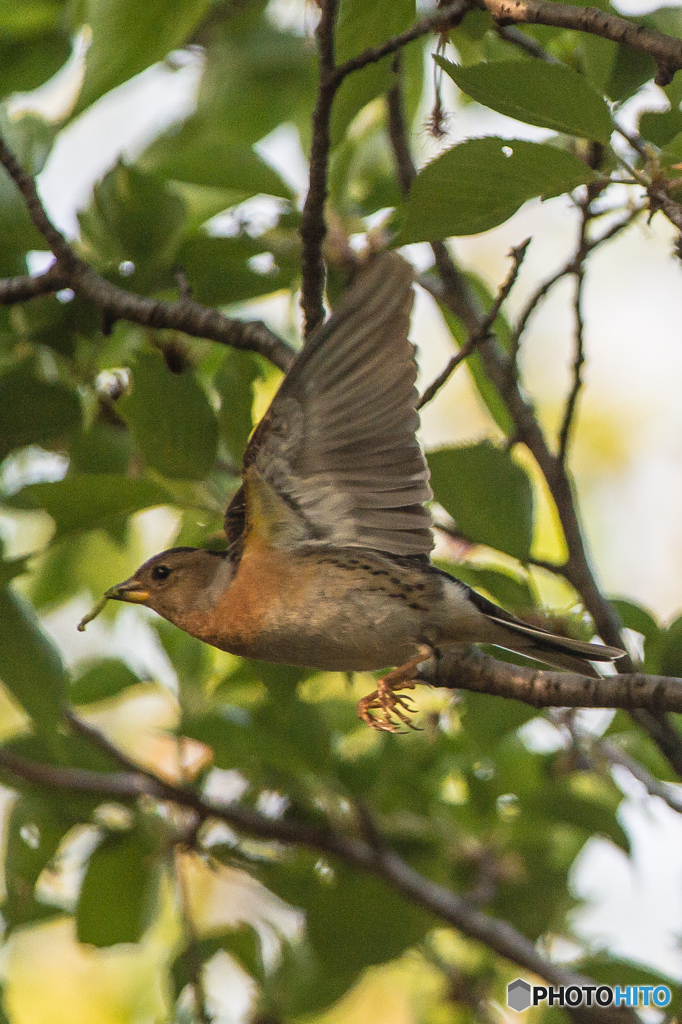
(160, 572)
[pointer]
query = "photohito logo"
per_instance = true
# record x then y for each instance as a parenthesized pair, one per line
(521, 995)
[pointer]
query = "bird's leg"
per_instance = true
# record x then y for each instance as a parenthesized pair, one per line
(384, 698)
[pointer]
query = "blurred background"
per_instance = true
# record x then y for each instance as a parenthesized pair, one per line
(626, 460)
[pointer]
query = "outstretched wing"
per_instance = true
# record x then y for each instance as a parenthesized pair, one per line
(337, 446)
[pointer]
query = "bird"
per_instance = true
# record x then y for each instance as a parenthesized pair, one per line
(329, 537)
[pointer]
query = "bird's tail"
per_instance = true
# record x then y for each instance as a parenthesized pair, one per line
(561, 651)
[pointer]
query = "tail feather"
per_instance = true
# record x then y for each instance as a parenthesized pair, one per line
(562, 651)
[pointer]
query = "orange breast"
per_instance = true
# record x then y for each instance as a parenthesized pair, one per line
(268, 581)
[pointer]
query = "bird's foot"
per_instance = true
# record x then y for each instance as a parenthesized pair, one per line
(385, 699)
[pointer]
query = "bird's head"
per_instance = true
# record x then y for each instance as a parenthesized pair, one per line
(175, 584)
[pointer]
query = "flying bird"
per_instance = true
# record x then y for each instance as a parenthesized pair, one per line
(328, 539)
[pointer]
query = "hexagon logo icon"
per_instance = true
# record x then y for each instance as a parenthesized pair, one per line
(518, 995)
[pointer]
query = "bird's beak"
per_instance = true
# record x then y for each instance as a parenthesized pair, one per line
(130, 590)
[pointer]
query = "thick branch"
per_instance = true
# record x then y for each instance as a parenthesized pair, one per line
(470, 669)
(20, 289)
(186, 315)
(665, 50)
(369, 856)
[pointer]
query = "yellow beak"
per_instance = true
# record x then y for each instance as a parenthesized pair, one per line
(130, 590)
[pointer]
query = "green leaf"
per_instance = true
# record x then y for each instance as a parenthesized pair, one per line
(487, 494)
(488, 721)
(670, 651)
(128, 37)
(35, 828)
(117, 897)
(60, 325)
(353, 921)
(30, 666)
(255, 77)
(660, 128)
(547, 95)
(607, 969)
(33, 411)
(132, 217)
(486, 389)
(631, 69)
(203, 152)
(672, 151)
(234, 383)
(171, 419)
(360, 25)
(219, 273)
(29, 59)
(13, 567)
(480, 183)
(634, 616)
(100, 680)
(104, 448)
(90, 501)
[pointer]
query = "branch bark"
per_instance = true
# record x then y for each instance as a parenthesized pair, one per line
(665, 50)
(471, 669)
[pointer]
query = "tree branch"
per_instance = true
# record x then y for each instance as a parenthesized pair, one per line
(444, 18)
(21, 289)
(531, 46)
(665, 50)
(578, 270)
(517, 254)
(117, 303)
(313, 227)
(654, 787)
(568, 268)
(455, 910)
(471, 669)
(331, 75)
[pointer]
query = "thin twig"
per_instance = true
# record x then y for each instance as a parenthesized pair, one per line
(331, 75)
(444, 18)
(517, 254)
(568, 268)
(531, 46)
(578, 362)
(578, 271)
(36, 211)
(654, 787)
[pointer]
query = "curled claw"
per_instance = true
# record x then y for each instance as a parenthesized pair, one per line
(91, 615)
(385, 700)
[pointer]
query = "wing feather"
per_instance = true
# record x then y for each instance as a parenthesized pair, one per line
(338, 441)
